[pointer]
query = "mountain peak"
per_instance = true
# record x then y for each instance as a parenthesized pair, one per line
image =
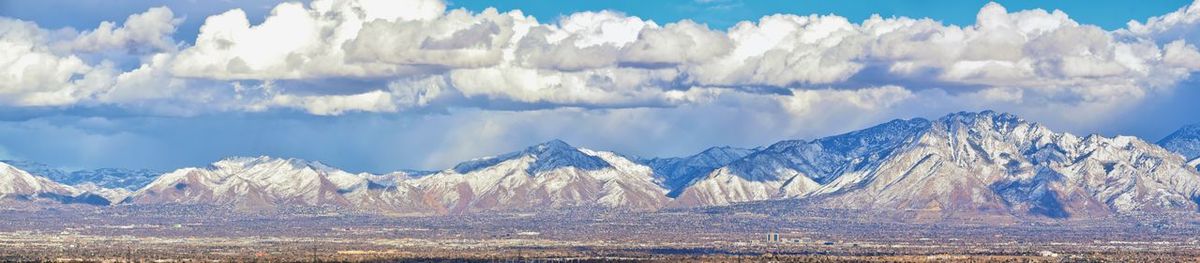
(243, 162)
(885, 135)
(18, 183)
(550, 146)
(721, 150)
(1192, 131)
(1185, 141)
(984, 120)
(547, 156)
(130, 179)
(986, 115)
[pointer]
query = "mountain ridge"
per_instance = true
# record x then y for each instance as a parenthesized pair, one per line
(111, 178)
(1185, 141)
(972, 164)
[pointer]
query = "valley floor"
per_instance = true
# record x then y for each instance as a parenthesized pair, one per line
(578, 235)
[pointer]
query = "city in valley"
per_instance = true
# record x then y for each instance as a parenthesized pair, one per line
(697, 235)
(599, 131)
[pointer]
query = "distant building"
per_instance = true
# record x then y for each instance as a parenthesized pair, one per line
(773, 237)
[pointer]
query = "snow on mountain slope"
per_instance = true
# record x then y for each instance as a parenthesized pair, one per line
(113, 195)
(547, 156)
(984, 163)
(265, 182)
(1185, 141)
(129, 179)
(963, 164)
(948, 168)
(19, 185)
(551, 174)
(201, 186)
(630, 184)
(994, 163)
(37, 169)
(391, 193)
(16, 182)
(797, 168)
(548, 175)
(675, 173)
(105, 178)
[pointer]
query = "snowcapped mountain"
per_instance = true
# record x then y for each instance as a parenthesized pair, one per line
(997, 163)
(113, 184)
(552, 174)
(128, 179)
(266, 182)
(677, 172)
(37, 169)
(1185, 141)
(547, 175)
(113, 178)
(966, 164)
(19, 185)
(796, 168)
(113, 195)
(984, 163)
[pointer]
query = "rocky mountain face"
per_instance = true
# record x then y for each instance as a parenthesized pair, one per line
(108, 178)
(548, 175)
(797, 168)
(257, 183)
(112, 184)
(993, 163)
(1185, 141)
(983, 164)
(17, 185)
(676, 173)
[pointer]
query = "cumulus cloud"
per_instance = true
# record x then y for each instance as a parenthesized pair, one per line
(413, 55)
(149, 30)
(336, 38)
(785, 50)
(34, 75)
(1181, 24)
(457, 40)
(440, 86)
(679, 43)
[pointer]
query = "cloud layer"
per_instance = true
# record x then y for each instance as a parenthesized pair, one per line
(416, 54)
(416, 58)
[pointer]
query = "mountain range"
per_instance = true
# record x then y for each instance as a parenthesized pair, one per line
(967, 164)
(1185, 141)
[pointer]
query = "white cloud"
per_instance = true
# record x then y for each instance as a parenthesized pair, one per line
(373, 101)
(676, 43)
(151, 29)
(811, 102)
(147, 82)
(413, 54)
(785, 50)
(601, 87)
(457, 40)
(608, 59)
(1180, 24)
(1182, 55)
(31, 74)
(335, 38)
(581, 41)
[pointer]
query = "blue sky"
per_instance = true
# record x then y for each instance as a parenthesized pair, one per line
(718, 14)
(1109, 14)
(425, 86)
